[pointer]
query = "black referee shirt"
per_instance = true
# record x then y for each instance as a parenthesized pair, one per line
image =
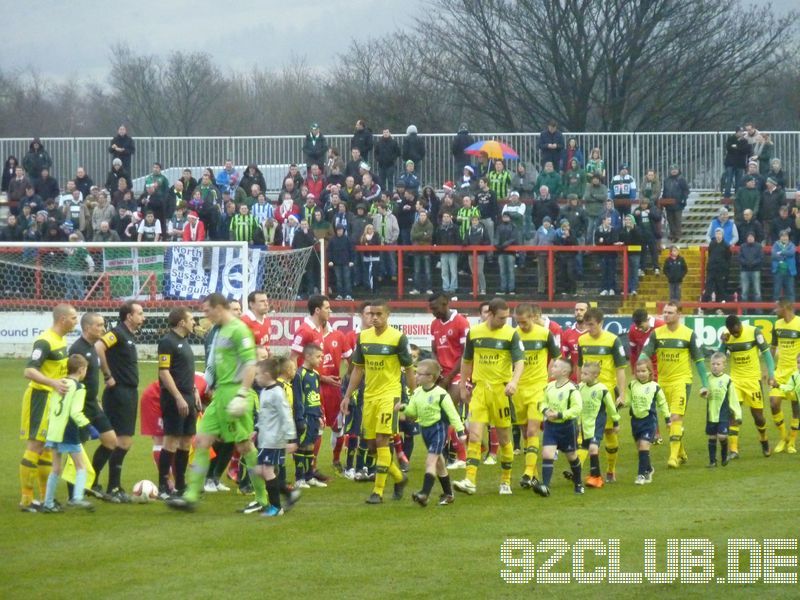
(175, 354)
(92, 380)
(121, 356)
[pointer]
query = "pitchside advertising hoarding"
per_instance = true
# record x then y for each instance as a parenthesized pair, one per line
(18, 330)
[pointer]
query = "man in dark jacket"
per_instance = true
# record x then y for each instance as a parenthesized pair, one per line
(674, 196)
(751, 256)
(315, 147)
(342, 257)
(648, 220)
(545, 206)
(771, 200)
(717, 268)
(447, 235)
(460, 143)
(122, 147)
(551, 144)
(46, 186)
(507, 235)
(362, 139)
(748, 225)
(36, 160)
(737, 151)
(83, 182)
(784, 220)
(414, 149)
(387, 151)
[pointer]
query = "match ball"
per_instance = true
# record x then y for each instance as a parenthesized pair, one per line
(144, 491)
(237, 407)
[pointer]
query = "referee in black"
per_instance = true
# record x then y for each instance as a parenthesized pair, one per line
(119, 362)
(180, 400)
(93, 327)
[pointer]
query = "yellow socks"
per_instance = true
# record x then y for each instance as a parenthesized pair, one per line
(382, 462)
(675, 439)
(793, 432)
(43, 468)
(27, 476)
(506, 460)
(531, 455)
(612, 448)
(474, 459)
(780, 424)
(733, 438)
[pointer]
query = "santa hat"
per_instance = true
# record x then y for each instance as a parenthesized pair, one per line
(448, 186)
(193, 213)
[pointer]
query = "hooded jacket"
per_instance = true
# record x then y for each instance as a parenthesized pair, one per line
(413, 146)
(36, 160)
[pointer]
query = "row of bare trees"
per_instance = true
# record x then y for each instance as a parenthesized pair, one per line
(506, 65)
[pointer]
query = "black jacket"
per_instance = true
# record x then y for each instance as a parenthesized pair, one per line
(719, 256)
(676, 188)
(744, 228)
(387, 151)
(460, 143)
(128, 150)
(447, 236)
(545, 208)
(363, 141)
(605, 238)
(314, 149)
(9, 173)
(675, 269)
(413, 148)
(47, 188)
(340, 250)
(737, 151)
(114, 175)
(507, 235)
(751, 256)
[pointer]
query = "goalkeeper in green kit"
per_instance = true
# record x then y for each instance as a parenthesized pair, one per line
(229, 417)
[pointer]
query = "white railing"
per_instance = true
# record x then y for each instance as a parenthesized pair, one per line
(699, 154)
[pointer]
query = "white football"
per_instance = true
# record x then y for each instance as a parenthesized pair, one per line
(237, 406)
(144, 491)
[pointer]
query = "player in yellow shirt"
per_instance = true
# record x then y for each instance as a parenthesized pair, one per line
(46, 371)
(786, 346)
(540, 347)
(676, 347)
(380, 358)
(745, 344)
(493, 362)
(605, 348)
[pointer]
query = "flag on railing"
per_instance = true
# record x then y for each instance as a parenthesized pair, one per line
(192, 273)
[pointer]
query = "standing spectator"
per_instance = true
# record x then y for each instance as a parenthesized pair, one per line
(499, 180)
(612, 213)
(675, 269)
(772, 199)
(544, 236)
(486, 202)
(752, 171)
(422, 235)
(737, 151)
(648, 219)
(243, 225)
(222, 222)
(288, 230)
(578, 223)
(549, 177)
(468, 185)
(315, 182)
(650, 187)
(516, 209)
(631, 237)
(83, 182)
(362, 139)
(751, 255)
(342, 257)
(717, 268)
(572, 152)
(784, 220)
(409, 178)
(157, 177)
(16, 189)
(149, 229)
(113, 177)
(272, 232)
(9, 172)
(464, 216)
(776, 172)
(747, 196)
(447, 235)
(322, 228)
(461, 142)
(784, 267)
(525, 185)
(723, 221)
(748, 225)
(551, 144)
(623, 190)
(388, 230)
(334, 161)
(484, 166)
(315, 147)
(193, 230)
(36, 160)
(673, 199)
(574, 181)
(595, 200)
(414, 149)
(476, 236)
(566, 262)
(448, 206)
(370, 259)
(545, 206)
(104, 211)
(121, 221)
(387, 151)
(295, 176)
(228, 178)
(607, 236)
(47, 186)
(596, 166)
(153, 201)
(430, 201)
(507, 235)
(304, 238)
(763, 152)
(352, 169)
(189, 182)
(123, 148)
(406, 211)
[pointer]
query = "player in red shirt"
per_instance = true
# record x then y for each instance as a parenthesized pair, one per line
(448, 337)
(570, 335)
(257, 320)
(638, 334)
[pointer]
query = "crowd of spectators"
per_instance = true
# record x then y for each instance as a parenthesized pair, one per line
(357, 200)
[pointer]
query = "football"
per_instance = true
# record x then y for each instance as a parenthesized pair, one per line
(237, 406)
(144, 491)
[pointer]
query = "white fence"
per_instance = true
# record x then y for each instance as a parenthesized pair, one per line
(699, 154)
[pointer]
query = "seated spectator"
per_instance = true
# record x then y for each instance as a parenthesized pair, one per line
(784, 221)
(596, 166)
(546, 205)
(272, 232)
(149, 228)
(476, 235)
(248, 195)
(566, 262)
(289, 228)
(315, 182)
(723, 221)
(228, 178)
(262, 209)
(243, 226)
(295, 176)
(117, 171)
(13, 231)
(751, 256)
(75, 211)
(189, 183)
(222, 224)
(507, 235)
(606, 235)
(446, 234)
(549, 178)
(121, 221)
(747, 196)
(717, 268)
(574, 183)
(30, 198)
(622, 190)
(55, 213)
(290, 188)
(152, 201)
(544, 236)
(673, 200)
(341, 257)
(749, 225)
(103, 211)
(772, 199)
(193, 229)
(123, 191)
(176, 224)
(16, 189)
(422, 235)
(83, 182)
(784, 267)
(370, 259)
(104, 233)
(47, 186)
(524, 182)
(287, 208)
(776, 172)
(631, 237)
(252, 176)
(613, 214)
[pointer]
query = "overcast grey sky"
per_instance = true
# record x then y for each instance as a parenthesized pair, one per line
(67, 39)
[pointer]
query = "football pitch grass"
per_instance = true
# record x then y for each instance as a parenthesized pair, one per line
(334, 544)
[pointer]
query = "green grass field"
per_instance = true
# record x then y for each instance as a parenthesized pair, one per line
(334, 544)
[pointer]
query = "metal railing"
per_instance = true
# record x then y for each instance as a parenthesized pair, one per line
(700, 155)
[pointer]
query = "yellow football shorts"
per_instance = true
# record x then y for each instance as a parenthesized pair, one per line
(490, 405)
